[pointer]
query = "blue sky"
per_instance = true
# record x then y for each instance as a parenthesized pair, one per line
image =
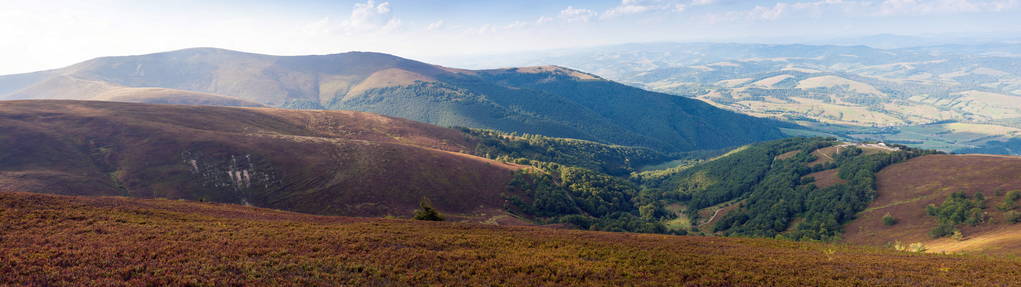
(49, 34)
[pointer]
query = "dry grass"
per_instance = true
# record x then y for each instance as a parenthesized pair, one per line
(71, 241)
(834, 81)
(771, 81)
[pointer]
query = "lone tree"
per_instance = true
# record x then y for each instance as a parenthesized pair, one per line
(426, 211)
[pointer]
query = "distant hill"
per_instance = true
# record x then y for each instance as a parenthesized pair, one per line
(321, 162)
(545, 100)
(64, 240)
(856, 92)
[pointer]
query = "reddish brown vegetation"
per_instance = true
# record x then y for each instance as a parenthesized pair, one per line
(905, 190)
(325, 162)
(59, 240)
(826, 178)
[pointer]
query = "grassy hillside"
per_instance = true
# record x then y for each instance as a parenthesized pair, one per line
(545, 100)
(324, 162)
(906, 189)
(63, 241)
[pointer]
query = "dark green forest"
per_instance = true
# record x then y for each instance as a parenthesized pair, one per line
(558, 105)
(584, 184)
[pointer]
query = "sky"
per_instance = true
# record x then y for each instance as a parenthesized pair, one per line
(40, 35)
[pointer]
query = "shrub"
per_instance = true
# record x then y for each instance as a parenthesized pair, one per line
(1012, 216)
(1009, 201)
(942, 230)
(888, 220)
(957, 235)
(427, 212)
(1013, 195)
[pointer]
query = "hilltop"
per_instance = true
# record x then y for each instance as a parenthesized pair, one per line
(65, 240)
(545, 100)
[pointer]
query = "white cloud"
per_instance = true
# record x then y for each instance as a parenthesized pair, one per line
(370, 16)
(572, 15)
(702, 2)
(850, 8)
(543, 20)
(631, 7)
(768, 13)
(516, 25)
(435, 25)
(939, 7)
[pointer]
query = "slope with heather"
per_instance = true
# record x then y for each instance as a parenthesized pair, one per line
(324, 162)
(906, 189)
(546, 100)
(112, 241)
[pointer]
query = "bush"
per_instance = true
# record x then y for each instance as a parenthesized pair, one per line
(888, 220)
(1013, 195)
(1009, 201)
(427, 212)
(1012, 216)
(942, 230)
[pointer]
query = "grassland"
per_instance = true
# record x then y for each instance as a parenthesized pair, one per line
(51, 240)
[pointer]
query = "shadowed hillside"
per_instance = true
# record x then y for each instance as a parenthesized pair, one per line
(60, 240)
(545, 100)
(324, 162)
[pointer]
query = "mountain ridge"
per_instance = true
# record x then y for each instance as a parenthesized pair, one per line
(546, 100)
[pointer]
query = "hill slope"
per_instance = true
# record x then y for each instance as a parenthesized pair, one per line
(324, 162)
(906, 189)
(60, 240)
(548, 100)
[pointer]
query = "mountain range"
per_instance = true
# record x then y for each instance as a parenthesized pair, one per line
(545, 100)
(951, 97)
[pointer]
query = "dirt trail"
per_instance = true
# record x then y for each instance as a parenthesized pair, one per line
(712, 217)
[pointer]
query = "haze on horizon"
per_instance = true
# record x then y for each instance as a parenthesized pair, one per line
(51, 34)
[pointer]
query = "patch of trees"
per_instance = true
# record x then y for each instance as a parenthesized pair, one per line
(957, 209)
(610, 159)
(736, 174)
(776, 192)
(1008, 206)
(555, 193)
